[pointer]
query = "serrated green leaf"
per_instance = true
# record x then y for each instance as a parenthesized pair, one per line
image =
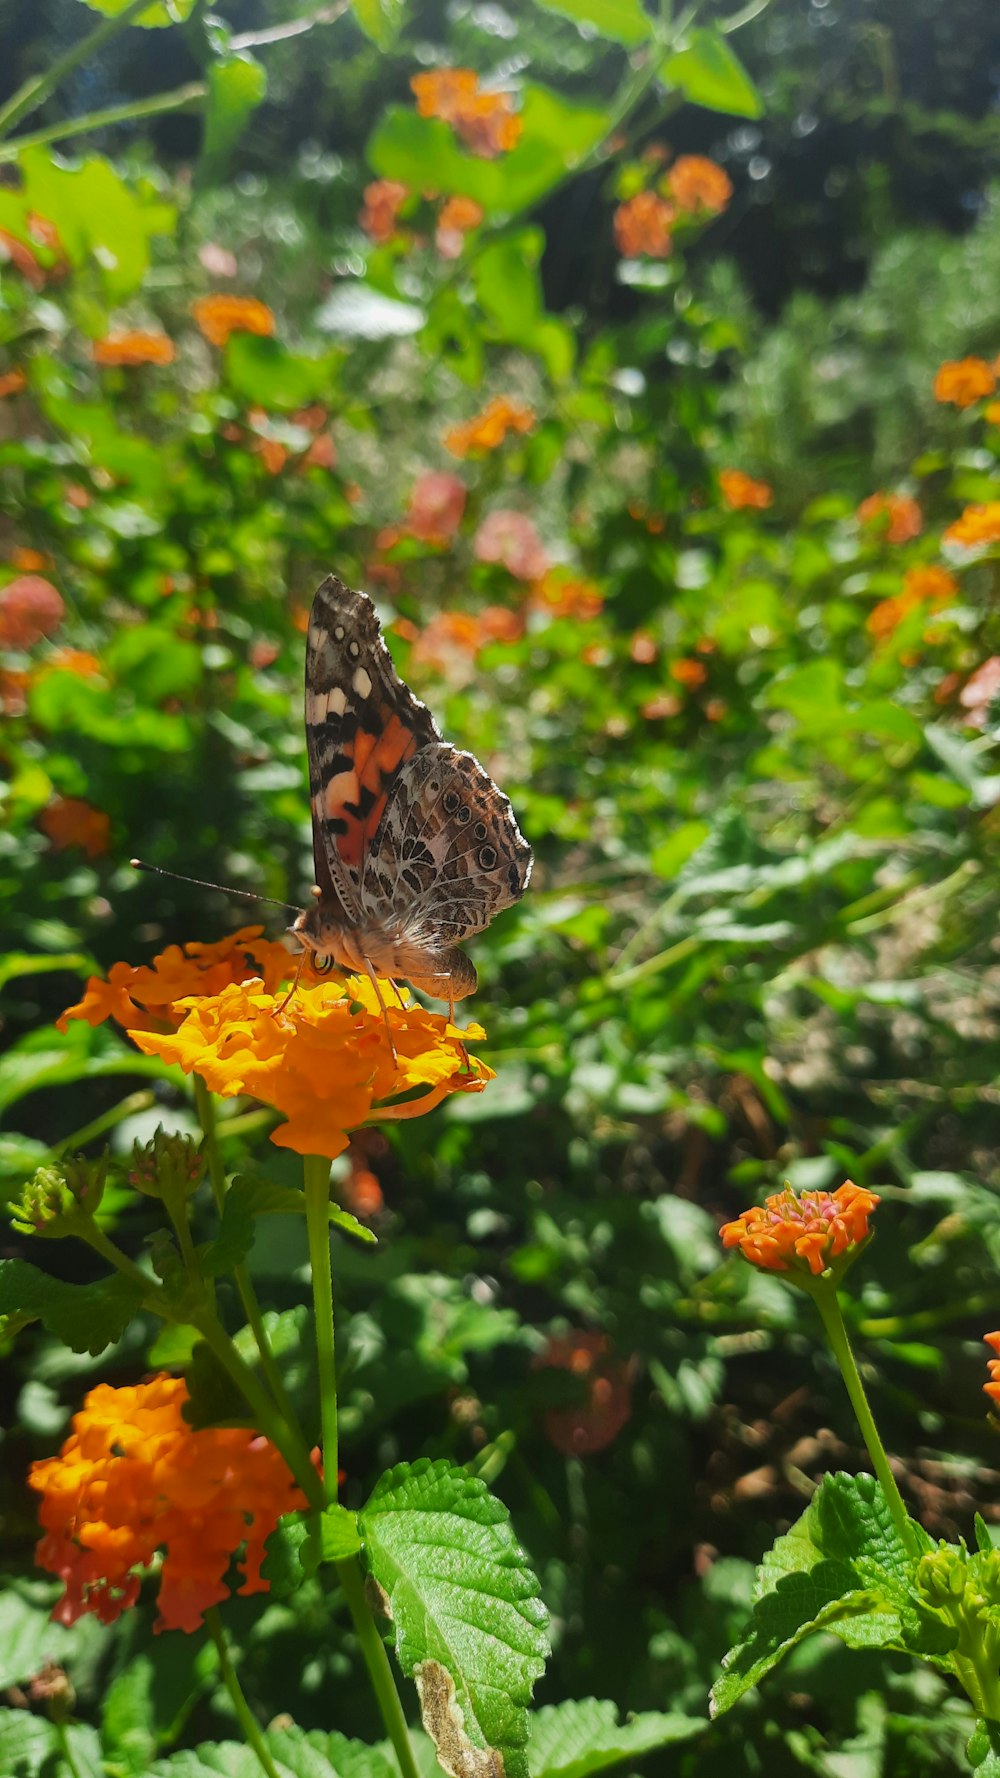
(31, 1747)
(983, 1751)
(470, 1626)
(708, 73)
(85, 1317)
(127, 1716)
(584, 1736)
(624, 21)
(298, 1753)
(236, 86)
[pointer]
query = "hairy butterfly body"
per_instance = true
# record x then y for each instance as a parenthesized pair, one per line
(415, 848)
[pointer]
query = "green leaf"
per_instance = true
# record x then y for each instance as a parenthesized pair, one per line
(509, 292)
(300, 1542)
(298, 1753)
(469, 1624)
(85, 1317)
(574, 1739)
(624, 21)
(21, 963)
(262, 370)
(154, 17)
(236, 86)
(708, 73)
(249, 1197)
(127, 1717)
(960, 759)
(379, 19)
(983, 1751)
(99, 218)
(32, 1747)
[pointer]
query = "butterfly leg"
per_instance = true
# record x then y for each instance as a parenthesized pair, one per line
(295, 983)
(373, 978)
(451, 1020)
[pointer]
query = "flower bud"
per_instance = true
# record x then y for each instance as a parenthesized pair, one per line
(167, 1167)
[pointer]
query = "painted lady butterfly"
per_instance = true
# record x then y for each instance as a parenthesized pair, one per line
(415, 848)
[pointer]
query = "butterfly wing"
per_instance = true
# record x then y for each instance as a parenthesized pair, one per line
(362, 725)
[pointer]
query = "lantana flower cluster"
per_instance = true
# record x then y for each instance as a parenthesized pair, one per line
(802, 1233)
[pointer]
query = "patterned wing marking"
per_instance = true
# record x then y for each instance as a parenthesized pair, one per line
(362, 724)
(448, 854)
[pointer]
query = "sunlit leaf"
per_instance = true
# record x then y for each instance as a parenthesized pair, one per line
(708, 73)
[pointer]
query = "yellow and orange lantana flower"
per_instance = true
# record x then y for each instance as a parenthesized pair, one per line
(321, 1057)
(696, 183)
(933, 587)
(898, 516)
(487, 430)
(978, 526)
(485, 122)
(964, 381)
(791, 1233)
(740, 490)
(219, 316)
(134, 1479)
(456, 217)
(134, 348)
(992, 1388)
(643, 225)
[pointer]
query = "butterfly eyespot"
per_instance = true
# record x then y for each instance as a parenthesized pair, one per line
(450, 801)
(480, 830)
(487, 857)
(463, 815)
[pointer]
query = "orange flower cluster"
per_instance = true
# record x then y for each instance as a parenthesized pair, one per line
(454, 637)
(153, 998)
(487, 430)
(69, 821)
(978, 525)
(897, 515)
(323, 1058)
(561, 594)
(46, 236)
(382, 200)
(789, 1233)
(740, 490)
(12, 382)
(456, 217)
(485, 122)
(593, 1425)
(137, 347)
(219, 316)
(697, 184)
(964, 381)
(992, 1388)
(436, 504)
(30, 608)
(933, 587)
(643, 225)
(134, 1479)
(689, 672)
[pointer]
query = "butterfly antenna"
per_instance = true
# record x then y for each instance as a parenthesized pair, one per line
(224, 888)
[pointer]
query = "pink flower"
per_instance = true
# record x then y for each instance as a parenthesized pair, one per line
(510, 538)
(978, 693)
(437, 502)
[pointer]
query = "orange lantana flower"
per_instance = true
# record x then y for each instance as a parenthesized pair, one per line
(790, 1233)
(643, 225)
(456, 217)
(134, 1479)
(154, 998)
(382, 199)
(487, 430)
(134, 348)
(898, 516)
(595, 1422)
(219, 316)
(740, 490)
(978, 525)
(689, 672)
(323, 1059)
(921, 586)
(12, 382)
(562, 594)
(69, 821)
(697, 183)
(992, 1388)
(964, 381)
(485, 122)
(30, 608)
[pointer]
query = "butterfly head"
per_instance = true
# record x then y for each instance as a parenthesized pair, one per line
(321, 930)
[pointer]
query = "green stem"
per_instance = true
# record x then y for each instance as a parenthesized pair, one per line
(248, 1296)
(66, 1750)
(135, 1102)
(230, 1679)
(284, 1434)
(317, 1186)
(178, 100)
(377, 1661)
(824, 1295)
(34, 91)
(100, 1242)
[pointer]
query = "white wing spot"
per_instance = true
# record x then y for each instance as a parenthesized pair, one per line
(362, 682)
(338, 633)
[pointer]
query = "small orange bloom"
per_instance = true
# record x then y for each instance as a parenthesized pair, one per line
(485, 122)
(13, 691)
(69, 821)
(898, 516)
(382, 200)
(933, 587)
(488, 430)
(323, 1059)
(219, 316)
(689, 672)
(456, 217)
(740, 490)
(697, 183)
(30, 608)
(153, 998)
(29, 561)
(964, 381)
(978, 525)
(595, 1423)
(134, 348)
(660, 707)
(642, 226)
(18, 254)
(992, 1388)
(12, 382)
(643, 648)
(791, 1233)
(133, 1480)
(561, 594)
(73, 660)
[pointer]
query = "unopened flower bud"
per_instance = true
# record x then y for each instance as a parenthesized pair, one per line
(167, 1167)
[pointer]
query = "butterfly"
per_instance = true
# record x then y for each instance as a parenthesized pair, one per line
(415, 848)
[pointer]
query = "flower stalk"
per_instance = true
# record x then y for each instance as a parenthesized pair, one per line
(317, 1189)
(230, 1679)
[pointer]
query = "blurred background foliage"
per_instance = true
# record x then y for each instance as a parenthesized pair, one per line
(749, 732)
